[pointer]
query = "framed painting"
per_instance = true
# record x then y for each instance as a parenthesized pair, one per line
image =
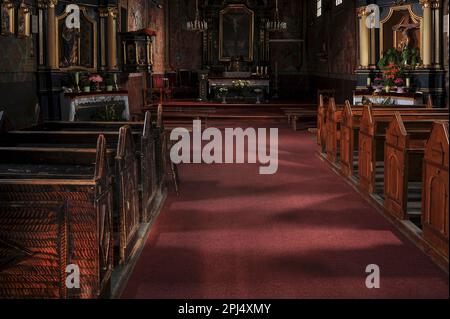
(7, 18)
(236, 33)
(77, 48)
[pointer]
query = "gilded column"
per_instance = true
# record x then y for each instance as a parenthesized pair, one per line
(364, 39)
(111, 16)
(437, 32)
(427, 32)
(51, 34)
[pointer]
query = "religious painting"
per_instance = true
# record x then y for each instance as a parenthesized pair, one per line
(77, 47)
(7, 18)
(23, 21)
(236, 33)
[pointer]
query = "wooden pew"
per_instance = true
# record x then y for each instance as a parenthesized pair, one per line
(297, 114)
(145, 137)
(333, 125)
(55, 211)
(350, 126)
(403, 168)
(126, 196)
(372, 135)
(321, 120)
(435, 194)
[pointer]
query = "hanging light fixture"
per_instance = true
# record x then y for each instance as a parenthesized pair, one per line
(198, 25)
(276, 25)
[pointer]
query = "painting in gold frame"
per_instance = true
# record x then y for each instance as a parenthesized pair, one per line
(77, 48)
(236, 32)
(23, 21)
(7, 18)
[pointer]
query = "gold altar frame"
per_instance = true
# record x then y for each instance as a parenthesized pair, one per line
(223, 12)
(392, 10)
(94, 30)
(7, 7)
(23, 15)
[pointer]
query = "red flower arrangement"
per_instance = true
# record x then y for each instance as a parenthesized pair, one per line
(393, 75)
(96, 78)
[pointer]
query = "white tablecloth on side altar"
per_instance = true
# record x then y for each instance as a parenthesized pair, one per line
(396, 100)
(70, 104)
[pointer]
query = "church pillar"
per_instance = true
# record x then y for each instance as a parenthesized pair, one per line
(51, 34)
(437, 33)
(364, 39)
(112, 13)
(427, 32)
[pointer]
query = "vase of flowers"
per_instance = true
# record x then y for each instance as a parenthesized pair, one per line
(392, 76)
(95, 80)
(378, 84)
(399, 84)
(223, 92)
(109, 83)
(85, 85)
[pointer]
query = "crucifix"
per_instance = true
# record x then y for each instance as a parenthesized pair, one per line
(405, 26)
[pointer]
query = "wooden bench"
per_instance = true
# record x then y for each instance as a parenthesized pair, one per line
(146, 137)
(296, 114)
(333, 123)
(350, 126)
(125, 179)
(55, 211)
(372, 135)
(435, 194)
(403, 169)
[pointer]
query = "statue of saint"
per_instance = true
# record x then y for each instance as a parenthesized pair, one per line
(70, 47)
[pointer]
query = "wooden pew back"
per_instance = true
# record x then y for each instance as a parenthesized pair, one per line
(47, 224)
(435, 198)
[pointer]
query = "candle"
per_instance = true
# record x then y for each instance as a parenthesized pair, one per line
(369, 81)
(408, 82)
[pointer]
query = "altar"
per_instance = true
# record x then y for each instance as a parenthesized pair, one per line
(247, 89)
(95, 106)
(392, 98)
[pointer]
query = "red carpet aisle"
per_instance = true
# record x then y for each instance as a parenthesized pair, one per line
(302, 233)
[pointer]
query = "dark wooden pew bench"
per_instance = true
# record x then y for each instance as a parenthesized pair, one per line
(372, 136)
(55, 211)
(146, 139)
(403, 170)
(435, 194)
(125, 174)
(350, 127)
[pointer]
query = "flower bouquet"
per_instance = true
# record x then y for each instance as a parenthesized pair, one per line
(95, 80)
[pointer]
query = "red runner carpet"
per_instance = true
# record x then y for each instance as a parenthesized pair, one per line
(302, 233)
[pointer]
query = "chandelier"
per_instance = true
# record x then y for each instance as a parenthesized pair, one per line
(276, 25)
(198, 25)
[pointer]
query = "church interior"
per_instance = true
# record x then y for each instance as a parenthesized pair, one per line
(95, 96)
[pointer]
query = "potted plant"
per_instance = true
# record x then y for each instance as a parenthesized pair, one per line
(378, 84)
(390, 74)
(223, 92)
(399, 82)
(95, 80)
(109, 83)
(85, 84)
